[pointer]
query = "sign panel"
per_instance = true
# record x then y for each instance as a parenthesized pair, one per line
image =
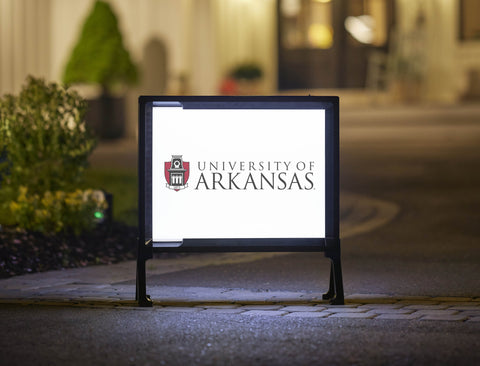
(238, 170)
(237, 173)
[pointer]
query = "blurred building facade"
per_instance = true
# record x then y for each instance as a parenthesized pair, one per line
(425, 50)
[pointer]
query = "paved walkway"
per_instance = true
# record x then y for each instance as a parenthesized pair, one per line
(105, 286)
(111, 286)
(458, 309)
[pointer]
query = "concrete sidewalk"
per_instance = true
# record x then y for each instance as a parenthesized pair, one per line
(241, 302)
(112, 286)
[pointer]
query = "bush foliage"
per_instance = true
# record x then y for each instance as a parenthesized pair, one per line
(57, 211)
(44, 144)
(44, 137)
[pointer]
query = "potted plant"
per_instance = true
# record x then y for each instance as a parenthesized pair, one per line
(243, 79)
(100, 58)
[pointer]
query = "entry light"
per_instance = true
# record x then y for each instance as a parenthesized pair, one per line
(361, 28)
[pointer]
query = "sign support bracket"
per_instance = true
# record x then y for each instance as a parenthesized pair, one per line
(141, 284)
(335, 289)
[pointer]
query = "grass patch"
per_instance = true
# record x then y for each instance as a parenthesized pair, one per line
(122, 183)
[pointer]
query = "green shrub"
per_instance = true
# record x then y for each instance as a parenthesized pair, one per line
(44, 138)
(57, 211)
(44, 148)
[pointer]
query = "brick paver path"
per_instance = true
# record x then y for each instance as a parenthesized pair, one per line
(458, 309)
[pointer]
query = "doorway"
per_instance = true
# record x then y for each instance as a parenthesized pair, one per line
(327, 43)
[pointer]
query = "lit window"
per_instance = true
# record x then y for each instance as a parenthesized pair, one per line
(306, 23)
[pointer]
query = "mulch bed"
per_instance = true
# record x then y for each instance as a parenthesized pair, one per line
(28, 252)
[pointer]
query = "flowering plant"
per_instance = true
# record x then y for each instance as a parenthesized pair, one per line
(57, 211)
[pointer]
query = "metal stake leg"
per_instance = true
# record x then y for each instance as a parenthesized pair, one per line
(141, 291)
(335, 289)
(338, 281)
(331, 288)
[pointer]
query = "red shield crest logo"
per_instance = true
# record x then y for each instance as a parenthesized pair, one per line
(177, 173)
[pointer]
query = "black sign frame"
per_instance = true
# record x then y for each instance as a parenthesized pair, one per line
(330, 245)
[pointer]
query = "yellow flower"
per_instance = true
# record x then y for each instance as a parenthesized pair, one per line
(14, 206)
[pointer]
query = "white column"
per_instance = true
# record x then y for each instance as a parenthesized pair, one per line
(440, 85)
(24, 42)
(6, 46)
(204, 78)
(439, 48)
